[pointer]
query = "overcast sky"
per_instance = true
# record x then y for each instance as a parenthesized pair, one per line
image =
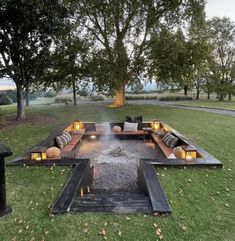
(220, 8)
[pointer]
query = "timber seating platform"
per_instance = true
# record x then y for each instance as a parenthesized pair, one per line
(78, 194)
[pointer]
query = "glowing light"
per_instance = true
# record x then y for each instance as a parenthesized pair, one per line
(93, 137)
(155, 125)
(189, 152)
(77, 126)
(189, 157)
(38, 154)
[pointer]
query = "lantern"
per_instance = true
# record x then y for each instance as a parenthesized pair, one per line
(38, 154)
(77, 125)
(156, 125)
(93, 137)
(189, 152)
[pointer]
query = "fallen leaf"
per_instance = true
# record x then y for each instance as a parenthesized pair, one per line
(103, 232)
(184, 227)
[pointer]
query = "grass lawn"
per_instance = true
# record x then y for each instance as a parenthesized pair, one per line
(202, 200)
(225, 105)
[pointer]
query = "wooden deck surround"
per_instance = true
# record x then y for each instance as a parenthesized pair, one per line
(150, 198)
(164, 154)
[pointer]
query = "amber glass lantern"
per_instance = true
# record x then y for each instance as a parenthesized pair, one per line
(38, 154)
(156, 125)
(189, 152)
(77, 125)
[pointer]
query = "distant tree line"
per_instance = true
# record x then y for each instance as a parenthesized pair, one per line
(114, 44)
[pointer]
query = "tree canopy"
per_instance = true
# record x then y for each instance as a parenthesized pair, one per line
(27, 32)
(121, 31)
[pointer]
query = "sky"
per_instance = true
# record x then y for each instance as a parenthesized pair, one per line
(220, 8)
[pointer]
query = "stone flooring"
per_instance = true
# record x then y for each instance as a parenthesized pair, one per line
(115, 162)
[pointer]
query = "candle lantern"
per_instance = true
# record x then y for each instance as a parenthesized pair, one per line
(77, 125)
(189, 152)
(156, 125)
(38, 154)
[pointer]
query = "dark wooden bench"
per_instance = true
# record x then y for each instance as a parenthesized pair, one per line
(122, 133)
(70, 149)
(167, 151)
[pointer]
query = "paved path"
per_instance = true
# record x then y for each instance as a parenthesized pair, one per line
(173, 105)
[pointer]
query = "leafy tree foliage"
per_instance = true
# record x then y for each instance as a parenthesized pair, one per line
(121, 31)
(27, 32)
(222, 32)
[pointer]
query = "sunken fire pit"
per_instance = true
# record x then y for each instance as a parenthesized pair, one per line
(114, 172)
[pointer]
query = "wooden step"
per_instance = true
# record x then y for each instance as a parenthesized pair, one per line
(114, 202)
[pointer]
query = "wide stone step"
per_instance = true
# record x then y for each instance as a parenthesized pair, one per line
(117, 202)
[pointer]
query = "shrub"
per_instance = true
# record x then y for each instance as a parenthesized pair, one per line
(5, 99)
(175, 98)
(12, 95)
(49, 94)
(97, 98)
(63, 99)
(141, 97)
(83, 92)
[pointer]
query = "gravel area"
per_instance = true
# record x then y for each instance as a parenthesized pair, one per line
(115, 162)
(115, 176)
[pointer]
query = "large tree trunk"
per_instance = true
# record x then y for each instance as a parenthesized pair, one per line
(185, 90)
(120, 99)
(198, 93)
(20, 103)
(229, 96)
(208, 94)
(27, 96)
(221, 97)
(74, 93)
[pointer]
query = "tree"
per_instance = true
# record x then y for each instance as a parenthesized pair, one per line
(171, 56)
(70, 60)
(221, 66)
(27, 32)
(201, 54)
(121, 31)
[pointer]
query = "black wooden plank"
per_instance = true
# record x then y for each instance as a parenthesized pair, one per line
(66, 196)
(48, 162)
(157, 196)
(112, 202)
(198, 162)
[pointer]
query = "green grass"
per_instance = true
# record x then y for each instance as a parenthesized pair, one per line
(225, 105)
(202, 200)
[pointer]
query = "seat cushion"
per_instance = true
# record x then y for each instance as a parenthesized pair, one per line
(128, 126)
(53, 152)
(117, 129)
(105, 127)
